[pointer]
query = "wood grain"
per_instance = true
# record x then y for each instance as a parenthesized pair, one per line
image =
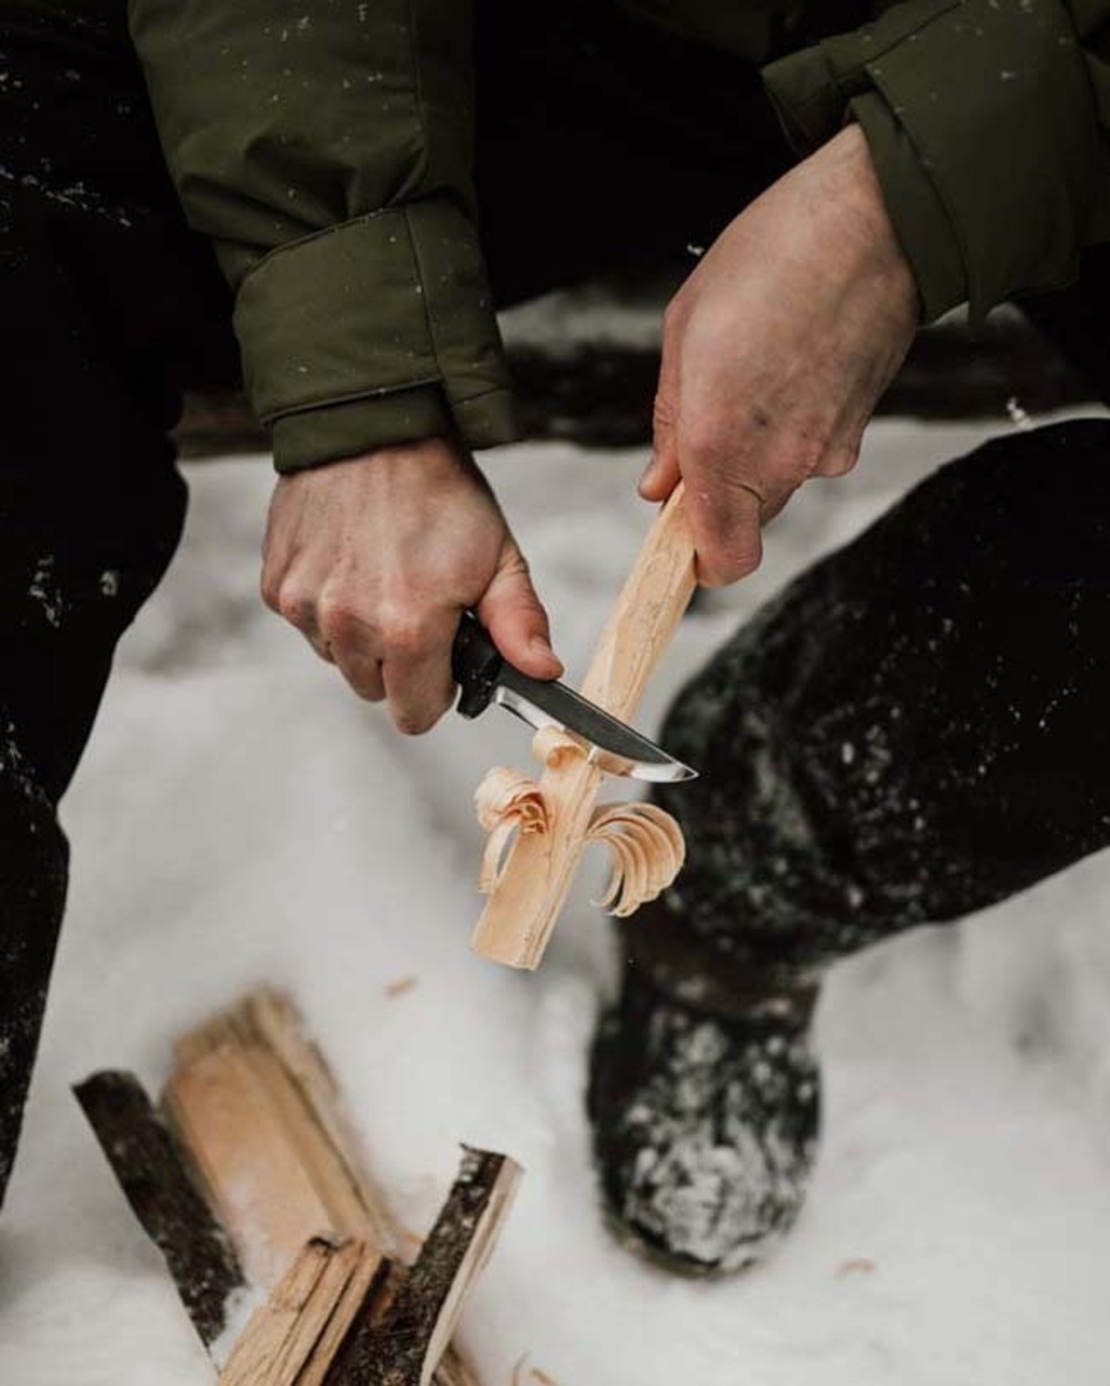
(256, 1104)
(521, 910)
(283, 1336)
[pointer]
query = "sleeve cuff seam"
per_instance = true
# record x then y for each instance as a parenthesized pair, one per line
(930, 171)
(482, 394)
(295, 244)
(350, 398)
(422, 279)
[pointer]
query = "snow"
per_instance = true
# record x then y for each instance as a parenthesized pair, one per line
(240, 818)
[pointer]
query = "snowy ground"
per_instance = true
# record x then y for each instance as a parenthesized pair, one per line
(239, 818)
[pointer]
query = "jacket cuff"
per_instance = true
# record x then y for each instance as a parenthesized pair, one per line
(379, 330)
(993, 104)
(916, 211)
(338, 431)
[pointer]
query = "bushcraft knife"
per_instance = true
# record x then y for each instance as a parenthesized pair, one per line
(484, 677)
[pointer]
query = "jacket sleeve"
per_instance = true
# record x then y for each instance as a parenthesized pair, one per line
(326, 150)
(989, 125)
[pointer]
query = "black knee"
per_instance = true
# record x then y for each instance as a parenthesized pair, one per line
(1035, 503)
(33, 872)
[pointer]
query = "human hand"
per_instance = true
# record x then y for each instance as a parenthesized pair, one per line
(374, 559)
(776, 350)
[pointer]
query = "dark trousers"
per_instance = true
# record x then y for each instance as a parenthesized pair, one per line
(111, 307)
(915, 728)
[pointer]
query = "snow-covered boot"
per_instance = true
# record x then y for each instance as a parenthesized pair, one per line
(913, 729)
(704, 1097)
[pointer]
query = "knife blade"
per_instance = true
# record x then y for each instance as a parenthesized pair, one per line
(485, 677)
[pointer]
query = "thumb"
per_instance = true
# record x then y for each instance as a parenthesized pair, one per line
(662, 474)
(516, 620)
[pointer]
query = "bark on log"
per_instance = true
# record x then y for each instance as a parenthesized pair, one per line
(154, 1174)
(404, 1345)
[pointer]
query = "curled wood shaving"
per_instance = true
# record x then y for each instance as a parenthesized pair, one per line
(648, 853)
(553, 747)
(647, 846)
(506, 802)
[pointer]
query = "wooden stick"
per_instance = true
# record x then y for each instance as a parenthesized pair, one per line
(292, 1339)
(154, 1174)
(525, 903)
(404, 1346)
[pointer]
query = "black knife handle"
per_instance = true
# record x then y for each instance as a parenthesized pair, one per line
(475, 664)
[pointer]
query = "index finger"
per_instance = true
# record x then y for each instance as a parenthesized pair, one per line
(726, 532)
(417, 677)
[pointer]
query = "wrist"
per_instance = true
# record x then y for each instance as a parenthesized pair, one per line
(869, 221)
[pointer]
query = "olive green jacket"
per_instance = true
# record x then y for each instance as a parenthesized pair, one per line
(325, 149)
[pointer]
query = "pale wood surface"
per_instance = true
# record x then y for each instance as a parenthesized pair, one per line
(255, 1103)
(525, 903)
(293, 1338)
(267, 1029)
(357, 1299)
(249, 1161)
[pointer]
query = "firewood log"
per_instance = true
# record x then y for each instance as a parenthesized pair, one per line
(155, 1175)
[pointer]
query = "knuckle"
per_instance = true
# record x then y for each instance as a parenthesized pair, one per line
(336, 615)
(702, 437)
(294, 603)
(403, 636)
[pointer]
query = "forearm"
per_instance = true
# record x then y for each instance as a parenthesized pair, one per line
(987, 125)
(327, 155)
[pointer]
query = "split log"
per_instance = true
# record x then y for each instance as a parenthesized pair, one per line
(254, 1123)
(255, 1104)
(292, 1340)
(533, 884)
(154, 1174)
(404, 1345)
(259, 1109)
